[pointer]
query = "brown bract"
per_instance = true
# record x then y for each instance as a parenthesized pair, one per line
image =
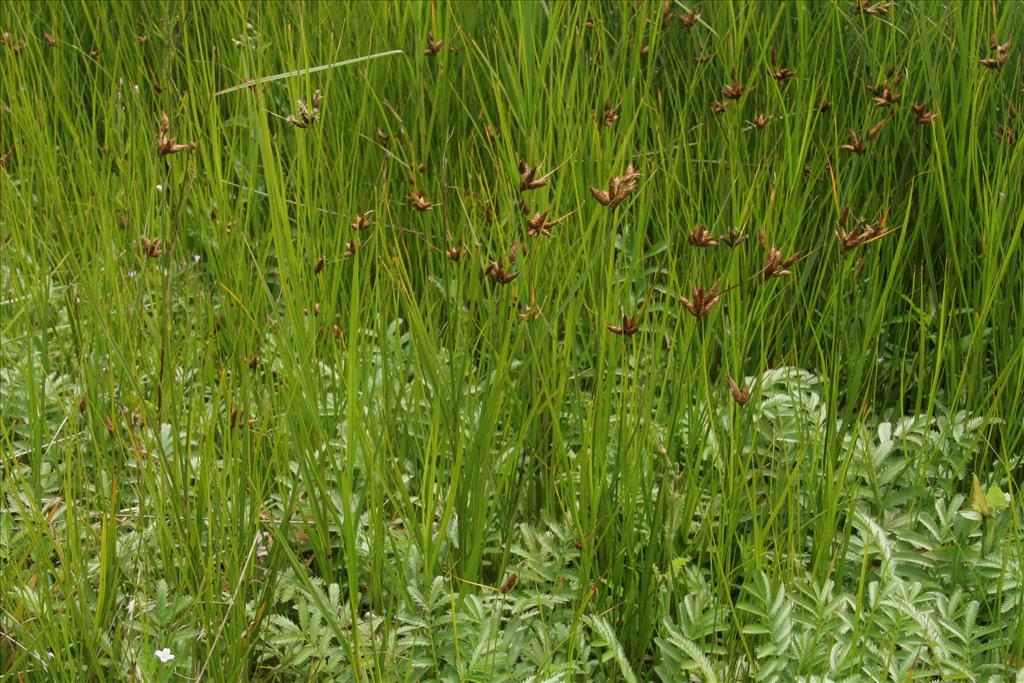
(862, 233)
(610, 114)
(628, 327)
(922, 116)
(496, 272)
(732, 91)
(538, 224)
(701, 300)
(878, 8)
(619, 188)
(433, 46)
(741, 396)
(168, 145)
(856, 144)
(700, 237)
(420, 202)
(689, 19)
(776, 264)
(526, 178)
(361, 222)
(305, 116)
(733, 238)
(994, 63)
(876, 129)
(151, 247)
(784, 74)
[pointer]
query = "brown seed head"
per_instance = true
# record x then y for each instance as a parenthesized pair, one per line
(856, 144)
(732, 91)
(878, 8)
(509, 584)
(733, 238)
(168, 145)
(151, 247)
(689, 19)
(433, 46)
(420, 202)
(496, 272)
(362, 222)
(741, 396)
(876, 129)
(701, 300)
(700, 237)
(783, 75)
(610, 114)
(619, 188)
(776, 265)
(526, 178)
(628, 327)
(922, 116)
(994, 63)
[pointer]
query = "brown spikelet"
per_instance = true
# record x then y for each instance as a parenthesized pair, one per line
(689, 19)
(733, 90)
(433, 46)
(876, 129)
(619, 188)
(922, 116)
(733, 238)
(628, 327)
(527, 181)
(509, 584)
(856, 144)
(497, 273)
(610, 114)
(168, 145)
(741, 396)
(361, 222)
(701, 300)
(700, 237)
(419, 201)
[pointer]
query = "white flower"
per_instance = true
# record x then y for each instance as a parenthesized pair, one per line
(165, 655)
(159, 188)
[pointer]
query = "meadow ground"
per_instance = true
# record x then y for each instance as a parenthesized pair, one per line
(533, 341)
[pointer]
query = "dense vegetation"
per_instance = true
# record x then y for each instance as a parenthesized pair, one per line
(539, 341)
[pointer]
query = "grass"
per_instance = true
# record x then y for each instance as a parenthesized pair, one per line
(282, 447)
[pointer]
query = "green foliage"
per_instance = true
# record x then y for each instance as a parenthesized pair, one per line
(269, 413)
